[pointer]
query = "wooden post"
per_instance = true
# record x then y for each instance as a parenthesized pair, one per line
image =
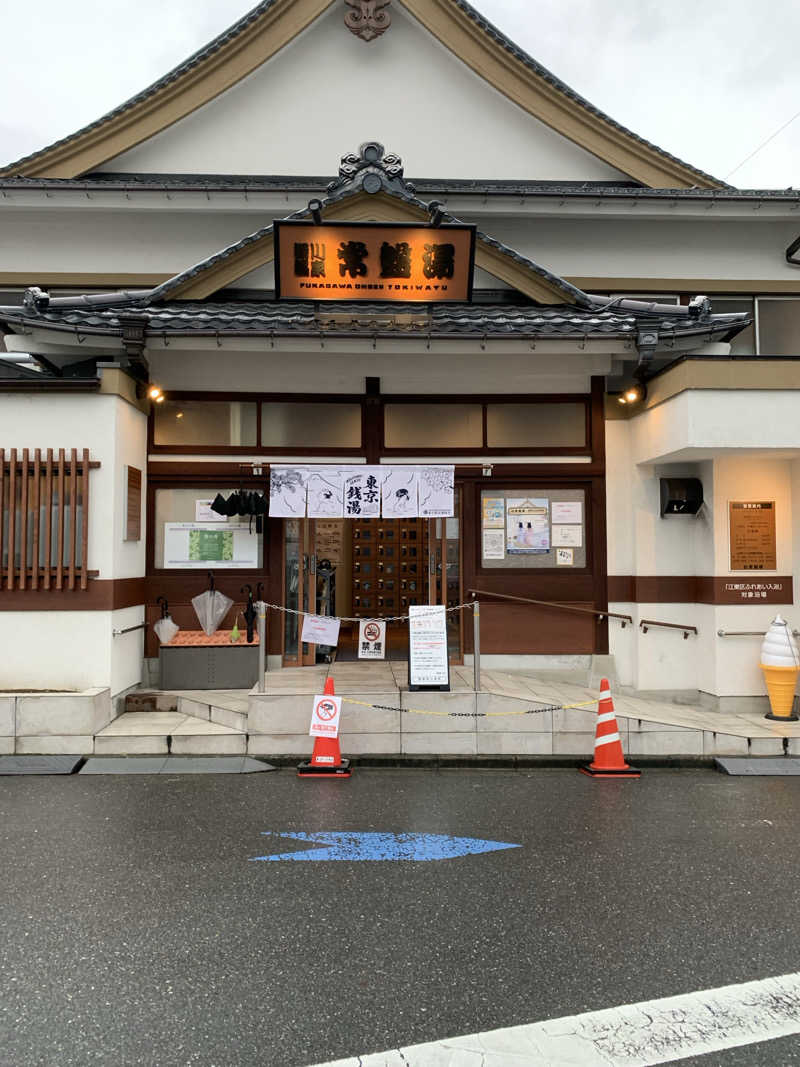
(23, 531)
(73, 515)
(48, 518)
(37, 474)
(85, 521)
(12, 514)
(62, 462)
(2, 506)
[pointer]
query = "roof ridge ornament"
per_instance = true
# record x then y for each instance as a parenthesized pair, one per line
(372, 170)
(368, 19)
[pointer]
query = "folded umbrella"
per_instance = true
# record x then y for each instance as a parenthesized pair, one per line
(165, 628)
(219, 504)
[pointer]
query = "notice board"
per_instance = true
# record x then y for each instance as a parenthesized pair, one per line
(752, 536)
(428, 660)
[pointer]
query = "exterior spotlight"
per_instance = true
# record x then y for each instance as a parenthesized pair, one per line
(160, 399)
(155, 393)
(179, 415)
(632, 395)
(315, 207)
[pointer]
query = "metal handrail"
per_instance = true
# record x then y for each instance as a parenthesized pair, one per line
(129, 629)
(645, 625)
(553, 604)
(749, 633)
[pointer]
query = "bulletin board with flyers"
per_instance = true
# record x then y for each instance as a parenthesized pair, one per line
(533, 529)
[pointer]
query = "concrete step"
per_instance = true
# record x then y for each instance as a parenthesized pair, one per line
(150, 700)
(230, 712)
(157, 733)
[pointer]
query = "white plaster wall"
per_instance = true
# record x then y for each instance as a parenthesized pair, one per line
(412, 372)
(55, 649)
(130, 449)
(623, 644)
(698, 423)
(328, 91)
(164, 239)
(619, 498)
(676, 545)
(115, 433)
(697, 247)
(754, 478)
(76, 649)
(127, 650)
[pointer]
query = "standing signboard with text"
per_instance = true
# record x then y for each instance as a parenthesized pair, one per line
(428, 660)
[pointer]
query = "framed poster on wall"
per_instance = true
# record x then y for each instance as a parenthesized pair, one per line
(753, 544)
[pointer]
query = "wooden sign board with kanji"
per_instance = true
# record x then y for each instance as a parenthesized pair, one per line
(373, 261)
(752, 528)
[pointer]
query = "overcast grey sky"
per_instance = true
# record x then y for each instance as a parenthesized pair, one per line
(706, 81)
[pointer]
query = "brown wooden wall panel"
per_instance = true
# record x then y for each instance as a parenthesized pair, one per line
(102, 594)
(700, 589)
(513, 629)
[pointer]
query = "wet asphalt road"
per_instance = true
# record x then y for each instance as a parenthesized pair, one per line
(135, 931)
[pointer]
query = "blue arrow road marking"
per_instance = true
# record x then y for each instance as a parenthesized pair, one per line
(371, 846)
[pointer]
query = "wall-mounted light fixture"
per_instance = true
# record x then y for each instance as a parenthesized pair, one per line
(634, 394)
(155, 394)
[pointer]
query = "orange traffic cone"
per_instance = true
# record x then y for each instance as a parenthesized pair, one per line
(326, 759)
(609, 760)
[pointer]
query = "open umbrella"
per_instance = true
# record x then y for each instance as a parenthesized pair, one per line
(249, 613)
(165, 628)
(211, 607)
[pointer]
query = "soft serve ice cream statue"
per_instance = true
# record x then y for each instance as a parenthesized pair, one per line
(780, 662)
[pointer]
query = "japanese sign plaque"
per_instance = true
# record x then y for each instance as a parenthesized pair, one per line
(373, 261)
(752, 526)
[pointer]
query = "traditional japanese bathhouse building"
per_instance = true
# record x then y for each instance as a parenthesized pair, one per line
(454, 264)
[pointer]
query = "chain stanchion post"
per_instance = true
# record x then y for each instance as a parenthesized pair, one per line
(261, 610)
(476, 644)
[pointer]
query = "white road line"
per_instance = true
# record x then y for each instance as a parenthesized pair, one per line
(634, 1035)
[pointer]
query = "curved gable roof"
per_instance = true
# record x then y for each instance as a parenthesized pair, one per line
(272, 24)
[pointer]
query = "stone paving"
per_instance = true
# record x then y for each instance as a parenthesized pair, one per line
(234, 722)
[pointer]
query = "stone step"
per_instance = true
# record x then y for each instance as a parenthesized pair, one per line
(157, 733)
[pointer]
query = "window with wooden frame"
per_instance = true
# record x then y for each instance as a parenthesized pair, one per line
(44, 518)
(208, 423)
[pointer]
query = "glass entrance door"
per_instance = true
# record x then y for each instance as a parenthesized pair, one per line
(444, 575)
(299, 589)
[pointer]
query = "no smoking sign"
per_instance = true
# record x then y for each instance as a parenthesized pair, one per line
(325, 717)
(372, 639)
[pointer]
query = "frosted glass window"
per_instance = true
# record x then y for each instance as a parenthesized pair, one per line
(285, 424)
(181, 505)
(744, 343)
(204, 422)
(433, 425)
(536, 425)
(779, 327)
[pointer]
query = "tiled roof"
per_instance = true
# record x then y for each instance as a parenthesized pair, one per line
(283, 183)
(352, 175)
(614, 319)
